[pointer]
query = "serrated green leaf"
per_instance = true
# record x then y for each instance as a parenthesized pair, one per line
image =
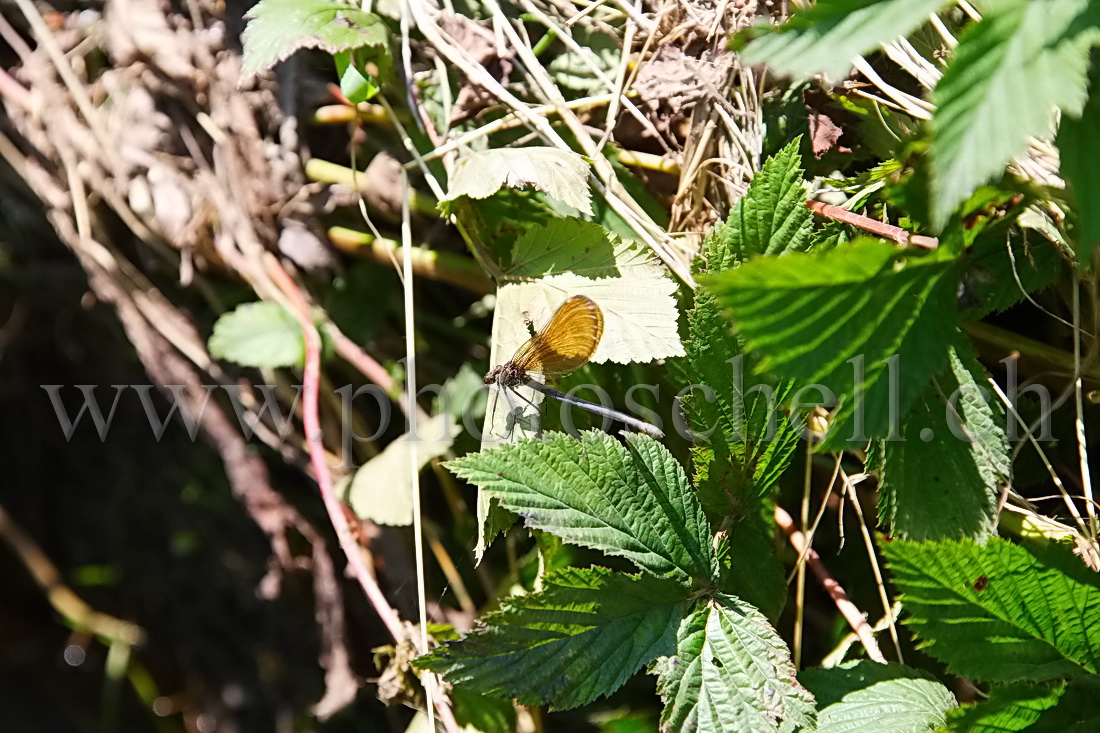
(835, 319)
(868, 697)
(481, 713)
(1077, 711)
(1009, 708)
(258, 335)
(943, 478)
(579, 638)
(560, 174)
(632, 501)
(1011, 71)
(1000, 612)
(739, 409)
(278, 28)
(826, 37)
(1077, 134)
(771, 218)
(731, 672)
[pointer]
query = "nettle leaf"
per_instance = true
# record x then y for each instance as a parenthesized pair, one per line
(826, 37)
(560, 174)
(632, 500)
(771, 218)
(868, 697)
(258, 335)
(278, 28)
(1000, 612)
(382, 489)
(579, 638)
(1075, 134)
(1009, 708)
(731, 672)
(740, 409)
(1010, 73)
(942, 479)
(834, 320)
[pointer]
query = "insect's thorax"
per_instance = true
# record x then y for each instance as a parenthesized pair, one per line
(508, 374)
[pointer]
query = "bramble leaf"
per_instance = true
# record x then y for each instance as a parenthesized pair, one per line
(942, 479)
(560, 174)
(580, 637)
(826, 37)
(731, 672)
(1000, 612)
(868, 697)
(835, 319)
(1012, 70)
(632, 501)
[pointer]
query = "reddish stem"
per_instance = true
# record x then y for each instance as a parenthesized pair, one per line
(848, 609)
(886, 231)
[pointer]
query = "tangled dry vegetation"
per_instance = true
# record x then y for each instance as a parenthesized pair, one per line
(169, 175)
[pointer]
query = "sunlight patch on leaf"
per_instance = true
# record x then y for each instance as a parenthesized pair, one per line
(581, 247)
(258, 335)
(560, 174)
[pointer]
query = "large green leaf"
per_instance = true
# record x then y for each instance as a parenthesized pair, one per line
(834, 319)
(278, 28)
(731, 672)
(582, 636)
(942, 479)
(826, 37)
(1009, 708)
(868, 697)
(1076, 135)
(1000, 612)
(629, 500)
(1077, 711)
(1011, 71)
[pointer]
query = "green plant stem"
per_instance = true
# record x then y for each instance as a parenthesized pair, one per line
(444, 266)
(327, 172)
(544, 42)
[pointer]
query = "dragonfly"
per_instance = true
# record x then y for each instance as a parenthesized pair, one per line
(561, 347)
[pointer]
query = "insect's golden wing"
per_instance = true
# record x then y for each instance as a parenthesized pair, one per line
(567, 342)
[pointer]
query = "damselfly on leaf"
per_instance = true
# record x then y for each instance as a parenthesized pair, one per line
(561, 347)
